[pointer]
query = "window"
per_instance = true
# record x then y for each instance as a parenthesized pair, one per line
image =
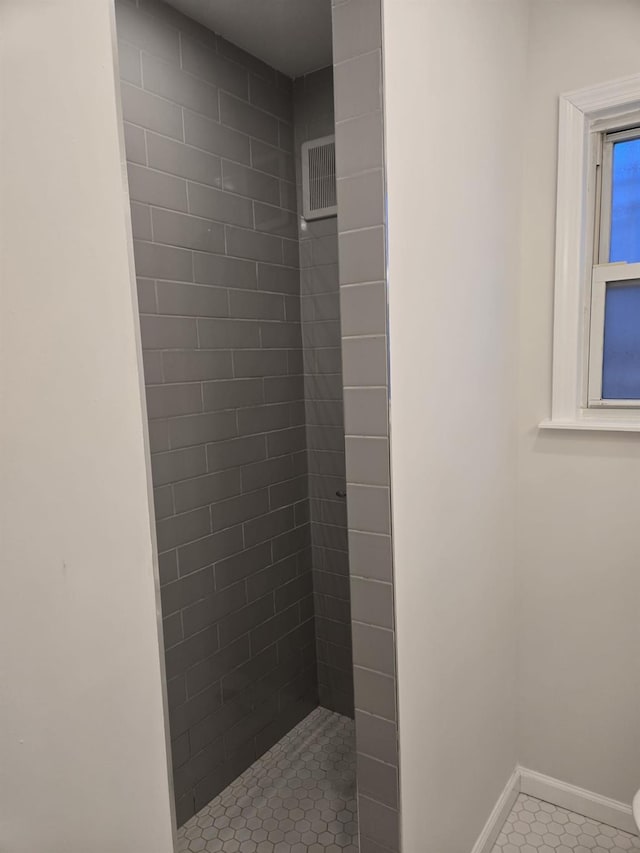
(614, 333)
(596, 358)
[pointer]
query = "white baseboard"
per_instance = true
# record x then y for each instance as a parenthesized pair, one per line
(558, 793)
(577, 800)
(492, 827)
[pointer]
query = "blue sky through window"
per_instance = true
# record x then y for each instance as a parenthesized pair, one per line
(625, 202)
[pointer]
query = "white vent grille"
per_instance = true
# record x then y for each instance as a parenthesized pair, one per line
(319, 178)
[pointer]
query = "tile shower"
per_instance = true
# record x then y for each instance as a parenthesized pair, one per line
(239, 302)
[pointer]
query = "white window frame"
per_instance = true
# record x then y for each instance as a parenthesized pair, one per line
(580, 281)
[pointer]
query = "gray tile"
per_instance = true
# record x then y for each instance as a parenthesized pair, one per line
(266, 472)
(168, 566)
(234, 626)
(214, 137)
(182, 528)
(245, 181)
(168, 332)
(237, 451)
(201, 614)
(199, 429)
(378, 780)
(356, 28)
(362, 256)
(190, 232)
(192, 300)
(253, 245)
(152, 365)
(143, 31)
(201, 60)
(158, 436)
(368, 508)
(288, 492)
(359, 145)
(239, 509)
(184, 655)
(247, 60)
(358, 86)
(365, 411)
(222, 206)
(166, 401)
(372, 604)
(186, 590)
(380, 821)
(285, 136)
(247, 562)
(288, 196)
(141, 221)
(242, 116)
(208, 550)
(146, 296)
(278, 279)
(361, 200)
(205, 490)
(376, 737)
(163, 502)
(194, 365)
(149, 111)
(228, 334)
(263, 418)
(232, 394)
(151, 187)
(211, 670)
(275, 220)
(129, 63)
(367, 460)
(168, 81)
(135, 146)
(280, 335)
(178, 465)
(270, 98)
(363, 309)
(173, 157)
(280, 389)
(370, 556)
(275, 161)
(375, 693)
(259, 306)
(156, 261)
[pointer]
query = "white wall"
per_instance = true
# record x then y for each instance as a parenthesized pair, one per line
(579, 496)
(454, 75)
(83, 761)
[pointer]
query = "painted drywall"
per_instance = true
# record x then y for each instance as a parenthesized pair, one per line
(578, 535)
(83, 753)
(453, 136)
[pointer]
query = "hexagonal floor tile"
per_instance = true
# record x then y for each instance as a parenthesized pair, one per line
(534, 826)
(299, 796)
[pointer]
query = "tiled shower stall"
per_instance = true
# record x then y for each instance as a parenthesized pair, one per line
(248, 317)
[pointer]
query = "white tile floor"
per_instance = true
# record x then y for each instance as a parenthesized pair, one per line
(534, 826)
(298, 798)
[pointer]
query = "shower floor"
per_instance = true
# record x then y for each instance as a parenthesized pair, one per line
(298, 798)
(534, 826)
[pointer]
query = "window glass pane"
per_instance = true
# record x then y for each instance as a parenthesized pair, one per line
(621, 357)
(625, 202)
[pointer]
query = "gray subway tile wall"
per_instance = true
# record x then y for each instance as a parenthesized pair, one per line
(357, 50)
(208, 132)
(321, 338)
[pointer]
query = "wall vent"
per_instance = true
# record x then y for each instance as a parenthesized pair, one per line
(319, 178)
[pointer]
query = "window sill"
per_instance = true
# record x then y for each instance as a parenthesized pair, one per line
(593, 424)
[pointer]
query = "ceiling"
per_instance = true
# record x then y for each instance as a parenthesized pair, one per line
(293, 36)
